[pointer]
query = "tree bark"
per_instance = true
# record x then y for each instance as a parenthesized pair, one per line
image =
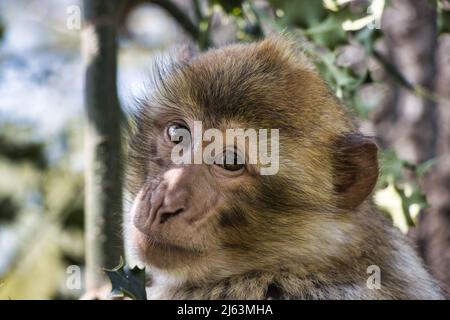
(417, 128)
(407, 122)
(433, 234)
(103, 186)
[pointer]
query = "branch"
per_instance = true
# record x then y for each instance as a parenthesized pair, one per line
(197, 10)
(103, 169)
(179, 16)
(254, 18)
(204, 40)
(416, 89)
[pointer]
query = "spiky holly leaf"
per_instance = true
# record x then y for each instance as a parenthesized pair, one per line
(127, 282)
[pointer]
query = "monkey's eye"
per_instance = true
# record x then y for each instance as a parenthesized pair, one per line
(176, 132)
(230, 160)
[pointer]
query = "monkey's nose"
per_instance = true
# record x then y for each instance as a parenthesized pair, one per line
(166, 214)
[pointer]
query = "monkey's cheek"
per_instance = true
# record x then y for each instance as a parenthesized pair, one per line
(146, 250)
(141, 244)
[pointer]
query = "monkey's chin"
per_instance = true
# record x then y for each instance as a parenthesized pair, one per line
(163, 255)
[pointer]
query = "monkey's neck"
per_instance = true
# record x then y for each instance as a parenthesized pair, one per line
(256, 285)
(284, 284)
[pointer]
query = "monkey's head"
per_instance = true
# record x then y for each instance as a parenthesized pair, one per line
(216, 219)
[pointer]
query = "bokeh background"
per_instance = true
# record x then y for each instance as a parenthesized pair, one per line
(389, 61)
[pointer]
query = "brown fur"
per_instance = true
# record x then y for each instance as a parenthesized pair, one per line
(308, 232)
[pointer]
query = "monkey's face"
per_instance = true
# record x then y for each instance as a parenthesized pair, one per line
(218, 218)
(180, 210)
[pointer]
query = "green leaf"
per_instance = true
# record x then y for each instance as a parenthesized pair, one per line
(410, 197)
(233, 7)
(443, 17)
(127, 282)
(339, 78)
(391, 167)
(302, 13)
(329, 32)
(367, 38)
(424, 167)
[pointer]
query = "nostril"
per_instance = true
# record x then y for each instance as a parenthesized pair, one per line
(167, 215)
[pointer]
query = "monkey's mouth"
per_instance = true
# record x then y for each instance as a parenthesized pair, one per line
(164, 254)
(155, 242)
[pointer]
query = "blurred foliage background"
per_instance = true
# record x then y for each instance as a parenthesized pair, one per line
(389, 61)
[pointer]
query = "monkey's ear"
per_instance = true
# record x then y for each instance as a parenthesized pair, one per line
(355, 169)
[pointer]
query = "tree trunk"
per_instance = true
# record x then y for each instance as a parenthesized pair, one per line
(103, 173)
(417, 128)
(407, 122)
(433, 236)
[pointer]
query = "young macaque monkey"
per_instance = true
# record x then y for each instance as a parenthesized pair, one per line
(223, 230)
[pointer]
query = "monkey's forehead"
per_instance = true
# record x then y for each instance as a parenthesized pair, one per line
(241, 93)
(262, 85)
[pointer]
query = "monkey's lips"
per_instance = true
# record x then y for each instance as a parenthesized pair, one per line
(156, 241)
(161, 253)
